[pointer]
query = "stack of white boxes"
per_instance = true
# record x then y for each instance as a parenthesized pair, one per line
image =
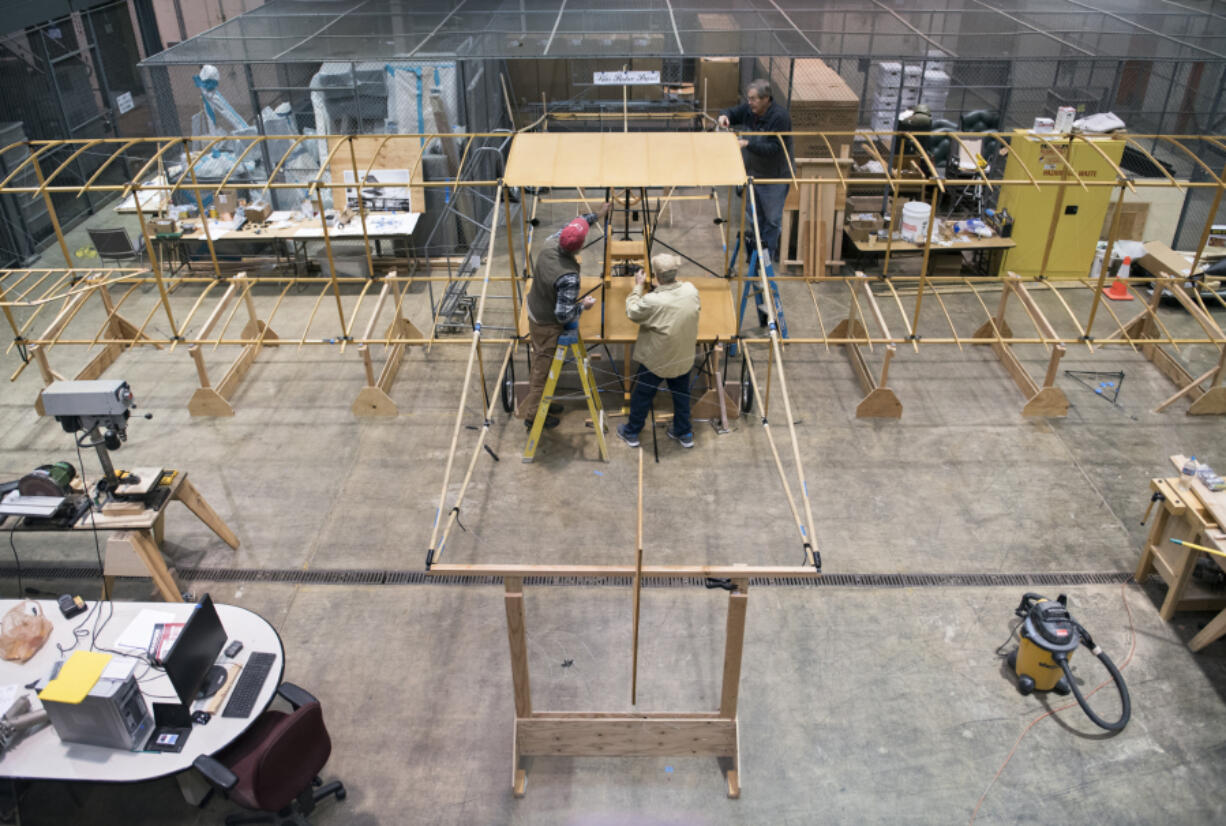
(900, 87)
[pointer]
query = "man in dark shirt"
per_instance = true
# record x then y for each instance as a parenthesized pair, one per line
(764, 155)
(553, 303)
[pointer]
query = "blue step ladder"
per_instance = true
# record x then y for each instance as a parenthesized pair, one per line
(753, 286)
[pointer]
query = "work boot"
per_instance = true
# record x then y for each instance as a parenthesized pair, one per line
(550, 422)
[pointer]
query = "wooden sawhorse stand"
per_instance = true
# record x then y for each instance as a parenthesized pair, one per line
(135, 547)
(879, 401)
(1211, 402)
(625, 734)
(121, 333)
(1182, 516)
(1047, 400)
(611, 734)
(215, 401)
(374, 399)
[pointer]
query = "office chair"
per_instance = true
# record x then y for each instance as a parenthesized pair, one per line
(114, 245)
(273, 767)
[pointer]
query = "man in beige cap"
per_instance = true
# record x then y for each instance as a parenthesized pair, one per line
(668, 330)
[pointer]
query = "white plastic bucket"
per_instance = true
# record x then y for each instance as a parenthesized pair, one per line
(915, 216)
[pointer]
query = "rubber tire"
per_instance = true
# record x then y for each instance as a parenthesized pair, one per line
(507, 390)
(1025, 685)
(746, 389)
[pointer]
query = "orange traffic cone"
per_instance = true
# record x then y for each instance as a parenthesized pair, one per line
(1118, 291)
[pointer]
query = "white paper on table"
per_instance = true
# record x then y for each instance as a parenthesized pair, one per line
(280, 215)
(8, 696)
(118, 669)
(140, 630)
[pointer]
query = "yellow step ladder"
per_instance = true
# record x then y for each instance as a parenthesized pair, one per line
(569, 343)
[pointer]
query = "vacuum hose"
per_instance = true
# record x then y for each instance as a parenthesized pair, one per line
(1125, 702)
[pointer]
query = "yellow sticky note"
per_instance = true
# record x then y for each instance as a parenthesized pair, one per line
(76, 678)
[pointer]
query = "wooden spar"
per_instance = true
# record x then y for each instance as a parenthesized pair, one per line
(454, 514)
(459, 417)
(637, 587)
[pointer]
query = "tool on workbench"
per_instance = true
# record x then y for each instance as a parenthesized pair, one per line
(1049, 636)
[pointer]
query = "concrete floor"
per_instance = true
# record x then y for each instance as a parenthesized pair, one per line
(858, 705)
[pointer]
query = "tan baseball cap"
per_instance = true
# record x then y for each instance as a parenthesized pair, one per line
(665, 262)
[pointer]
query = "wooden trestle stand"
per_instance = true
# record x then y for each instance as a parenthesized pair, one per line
(625, 734)
(1047, 400)
(879, 401)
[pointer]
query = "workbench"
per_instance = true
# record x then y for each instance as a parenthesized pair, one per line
(993, 248)
(1194, 514)
(294, 234)
(134, 541)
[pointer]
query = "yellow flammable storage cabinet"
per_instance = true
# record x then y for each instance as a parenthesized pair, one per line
(1082, 211)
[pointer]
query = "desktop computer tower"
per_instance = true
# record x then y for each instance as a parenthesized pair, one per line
(114, 714)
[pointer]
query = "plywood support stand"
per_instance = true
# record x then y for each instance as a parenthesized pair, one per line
(216, 401)
(1211, 402)
(374, 400)
(1045, 401)
(613, 734)
(879, 401)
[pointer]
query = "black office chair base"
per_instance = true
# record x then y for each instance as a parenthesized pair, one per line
(296, 813)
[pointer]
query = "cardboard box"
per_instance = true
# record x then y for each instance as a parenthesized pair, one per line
(1217, 235)
(720, 77)
(163, 226)
(1159, 259)
(862, 228)
(821, 102)
(258, 213)
(226, 202)
(866, 203)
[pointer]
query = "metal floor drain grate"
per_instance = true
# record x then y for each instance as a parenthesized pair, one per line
(365, 576)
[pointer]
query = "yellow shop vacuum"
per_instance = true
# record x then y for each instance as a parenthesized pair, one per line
(1049, 636)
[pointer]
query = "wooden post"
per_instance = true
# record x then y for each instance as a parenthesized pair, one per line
(516, 636)
(1106, 265)
(637, 588)
(730, 689)
(51, 213)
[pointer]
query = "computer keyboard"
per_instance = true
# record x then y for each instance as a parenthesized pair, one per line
(247, 689)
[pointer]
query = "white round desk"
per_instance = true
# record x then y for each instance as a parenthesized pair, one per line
(43, 756)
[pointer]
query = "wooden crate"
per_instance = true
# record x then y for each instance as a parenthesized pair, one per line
(821, 102)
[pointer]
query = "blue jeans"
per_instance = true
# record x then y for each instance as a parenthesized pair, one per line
(646, 383)
(770, 199)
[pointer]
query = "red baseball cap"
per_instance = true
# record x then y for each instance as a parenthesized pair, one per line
(573, 235)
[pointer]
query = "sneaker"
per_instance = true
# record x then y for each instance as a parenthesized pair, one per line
(550, 422)
(686, 439)
(629, 438)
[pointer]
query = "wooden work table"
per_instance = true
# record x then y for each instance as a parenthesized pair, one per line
(1196, 515)
(134, 541)
(606, 322)
(876, 245)
(993, 248)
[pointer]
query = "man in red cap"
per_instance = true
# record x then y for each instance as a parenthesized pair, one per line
(553, 302)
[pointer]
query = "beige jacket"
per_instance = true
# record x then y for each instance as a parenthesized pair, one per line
(668, 327)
